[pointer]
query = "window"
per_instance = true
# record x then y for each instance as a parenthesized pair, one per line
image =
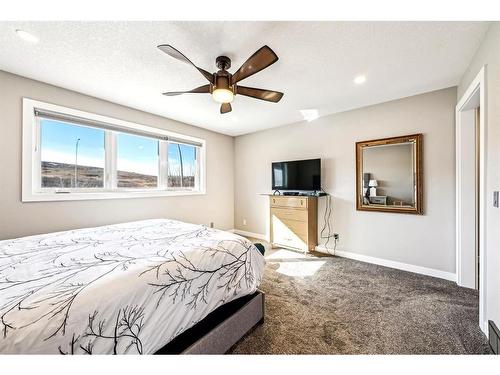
(137, 162)
(71, 155)
(182, 165)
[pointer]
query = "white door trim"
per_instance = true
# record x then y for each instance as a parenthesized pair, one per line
(477, 84)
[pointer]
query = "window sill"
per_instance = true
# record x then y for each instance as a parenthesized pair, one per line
(76, 196)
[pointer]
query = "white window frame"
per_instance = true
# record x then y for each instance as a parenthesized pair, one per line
(31, 171)
(196, 176)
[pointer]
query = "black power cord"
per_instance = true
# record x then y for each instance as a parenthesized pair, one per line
(327, 225)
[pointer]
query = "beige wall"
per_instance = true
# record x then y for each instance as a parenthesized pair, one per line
(489, 54)
(427, 240)
(19, 219)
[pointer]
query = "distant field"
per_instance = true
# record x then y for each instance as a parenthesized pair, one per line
(61, 175)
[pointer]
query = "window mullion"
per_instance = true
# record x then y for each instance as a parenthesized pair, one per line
(36, 157)
(202, 167)
(197, 167)
(163, 165)
(110, 160)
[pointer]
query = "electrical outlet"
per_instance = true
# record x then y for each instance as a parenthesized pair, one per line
(211, 224)
(495, 199)
(336, 236)
(244, 221)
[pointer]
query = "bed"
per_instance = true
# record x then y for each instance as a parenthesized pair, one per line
(130, 288)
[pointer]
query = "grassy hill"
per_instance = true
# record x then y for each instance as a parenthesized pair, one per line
(62, 175)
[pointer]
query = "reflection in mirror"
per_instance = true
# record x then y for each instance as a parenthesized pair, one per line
(389, 174)
(390, 170)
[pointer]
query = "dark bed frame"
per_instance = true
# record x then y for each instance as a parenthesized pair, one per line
(221, 329)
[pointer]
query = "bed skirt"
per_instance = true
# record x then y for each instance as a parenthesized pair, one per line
(221, 329)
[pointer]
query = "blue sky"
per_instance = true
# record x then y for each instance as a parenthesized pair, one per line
(188, 159)
(58, 141)
(135, 154)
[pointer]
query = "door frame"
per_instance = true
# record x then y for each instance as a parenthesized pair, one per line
(477, 85)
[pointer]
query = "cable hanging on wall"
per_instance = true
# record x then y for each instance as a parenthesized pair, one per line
(327, 224)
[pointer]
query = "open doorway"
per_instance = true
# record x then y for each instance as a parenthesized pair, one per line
(470, 191)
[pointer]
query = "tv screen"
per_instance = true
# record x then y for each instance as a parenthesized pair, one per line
(297, 175)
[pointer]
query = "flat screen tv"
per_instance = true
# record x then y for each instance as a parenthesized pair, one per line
(297, 175)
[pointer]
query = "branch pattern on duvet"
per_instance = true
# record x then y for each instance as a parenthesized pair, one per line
(126, 288)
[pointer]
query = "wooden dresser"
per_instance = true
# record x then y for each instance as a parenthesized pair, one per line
(294, 222)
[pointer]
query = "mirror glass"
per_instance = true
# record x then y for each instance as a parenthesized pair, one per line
(389, 174)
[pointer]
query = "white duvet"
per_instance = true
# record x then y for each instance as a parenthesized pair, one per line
(119, 289)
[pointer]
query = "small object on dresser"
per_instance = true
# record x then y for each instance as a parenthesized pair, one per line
(366, 179)
(380, 200)
(366, 195)
(373, 187)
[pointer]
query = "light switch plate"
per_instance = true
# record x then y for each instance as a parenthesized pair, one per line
(495, 199)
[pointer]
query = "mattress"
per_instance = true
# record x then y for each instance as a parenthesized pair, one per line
(119, 289)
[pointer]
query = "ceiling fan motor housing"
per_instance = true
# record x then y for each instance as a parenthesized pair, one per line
(223, 81)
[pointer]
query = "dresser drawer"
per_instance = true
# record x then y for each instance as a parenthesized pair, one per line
(289, 213)
(291, 241)
(294, 202)
(289, 233)
(289, 228)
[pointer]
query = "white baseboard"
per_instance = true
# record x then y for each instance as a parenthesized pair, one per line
(485, 329)
(366, 258)
(390, 263)
(250, 234)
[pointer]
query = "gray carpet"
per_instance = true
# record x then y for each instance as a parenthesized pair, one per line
(332, 305)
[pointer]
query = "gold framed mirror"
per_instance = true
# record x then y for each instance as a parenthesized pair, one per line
(389, 175)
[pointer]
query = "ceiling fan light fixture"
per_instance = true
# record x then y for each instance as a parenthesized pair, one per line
(223, 95)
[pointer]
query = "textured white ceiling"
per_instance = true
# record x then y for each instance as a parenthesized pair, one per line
(119, 62)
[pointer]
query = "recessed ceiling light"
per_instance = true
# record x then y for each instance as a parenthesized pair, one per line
(359, 80)
(309, 114)
(24, 35)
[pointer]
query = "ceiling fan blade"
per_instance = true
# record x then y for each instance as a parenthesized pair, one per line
(268, 95)
(199, 90)
(261, 59)
(225, 108)
(171, 51)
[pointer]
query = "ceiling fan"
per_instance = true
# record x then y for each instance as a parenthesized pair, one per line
(223, 85)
